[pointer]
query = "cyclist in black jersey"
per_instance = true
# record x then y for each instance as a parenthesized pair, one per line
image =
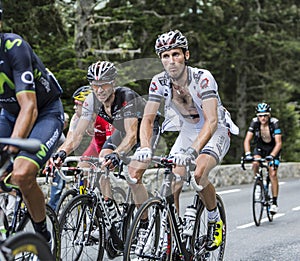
(123, 108)
(267, 137)
(31, 108)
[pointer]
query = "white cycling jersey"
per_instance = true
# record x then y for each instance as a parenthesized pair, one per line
(202, 85)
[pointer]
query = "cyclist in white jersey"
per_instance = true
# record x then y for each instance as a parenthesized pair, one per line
(191, 99)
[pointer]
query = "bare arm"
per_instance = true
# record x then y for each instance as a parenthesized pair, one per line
(130, 139)
(146, 129)
(210, 125)
(247, 140)
(74, 138)
(26, 117)
(278, 145)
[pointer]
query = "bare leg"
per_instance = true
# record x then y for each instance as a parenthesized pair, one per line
(274, 181)
(24, 175)
(205, 163)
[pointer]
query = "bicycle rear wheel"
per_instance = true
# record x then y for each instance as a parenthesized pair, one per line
(64, 200)
(150, 246)
(52, 226)
(26, 246)
(82, 233)
(200, 233)
(258, 199)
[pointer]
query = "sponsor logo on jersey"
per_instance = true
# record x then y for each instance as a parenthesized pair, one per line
(204, 83)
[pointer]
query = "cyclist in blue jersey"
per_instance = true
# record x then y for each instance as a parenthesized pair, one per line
(31, 108)
(267, 137)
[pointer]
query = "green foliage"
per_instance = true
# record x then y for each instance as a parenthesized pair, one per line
(251, 47)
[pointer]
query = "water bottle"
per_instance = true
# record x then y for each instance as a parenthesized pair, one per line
(189, 220)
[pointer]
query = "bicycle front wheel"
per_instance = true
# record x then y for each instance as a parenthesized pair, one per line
(258, 199)
(26, 246)
(199, 237)
(82, 233)
(146, 242)
(269, 203)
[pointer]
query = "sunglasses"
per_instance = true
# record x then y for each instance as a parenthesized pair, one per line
(100, 85)
(263, 115)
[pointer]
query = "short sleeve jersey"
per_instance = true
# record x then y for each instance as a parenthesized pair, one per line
(21, 70)
(127, 104)
(202, 86)
(274, 130)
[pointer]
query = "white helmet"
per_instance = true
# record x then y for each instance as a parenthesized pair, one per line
(101, 71)
(170, 40)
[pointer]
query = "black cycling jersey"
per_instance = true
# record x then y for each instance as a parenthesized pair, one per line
(22, 70)
(274, 130)
(127, 104)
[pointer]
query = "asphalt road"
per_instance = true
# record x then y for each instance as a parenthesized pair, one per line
(271, 241)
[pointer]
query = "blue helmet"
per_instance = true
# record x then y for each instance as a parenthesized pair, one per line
(263, 108)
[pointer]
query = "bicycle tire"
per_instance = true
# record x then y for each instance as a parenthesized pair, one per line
(75, 221)
(258, 200)
(26, 246)
(153, 208)
(64, 199)
(269, 203)
(25, 224)
(52, 226)
(200, 231)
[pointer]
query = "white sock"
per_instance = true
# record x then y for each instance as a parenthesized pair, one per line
(213, 215)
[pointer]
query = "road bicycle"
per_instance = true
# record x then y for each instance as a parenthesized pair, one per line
(89, 226)
(21, 219)
(163, 238)
(84, 180)
(262, 195)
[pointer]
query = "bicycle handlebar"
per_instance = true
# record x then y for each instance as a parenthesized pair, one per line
(260, 160)
(169, 162)
(30, 145)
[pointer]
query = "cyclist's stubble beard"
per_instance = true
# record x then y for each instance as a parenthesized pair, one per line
(178, 77)
(106, 96)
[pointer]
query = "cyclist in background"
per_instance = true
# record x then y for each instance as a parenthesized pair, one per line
(31, 108)
(100, 131)
(267, 137)
(204, 135)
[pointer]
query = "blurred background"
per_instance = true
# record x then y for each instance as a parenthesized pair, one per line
(251, 47)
